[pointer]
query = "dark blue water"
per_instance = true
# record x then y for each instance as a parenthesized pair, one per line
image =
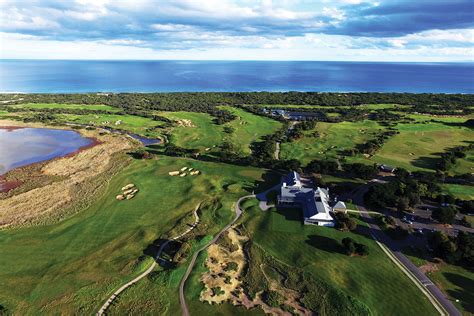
(176, 76)
(24, 146)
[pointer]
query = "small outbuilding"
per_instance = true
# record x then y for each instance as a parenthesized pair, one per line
(340, 207)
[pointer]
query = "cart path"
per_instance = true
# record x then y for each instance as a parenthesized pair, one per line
(153, 265)
(238, 213)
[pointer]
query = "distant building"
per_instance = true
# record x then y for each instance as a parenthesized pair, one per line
(314, 202)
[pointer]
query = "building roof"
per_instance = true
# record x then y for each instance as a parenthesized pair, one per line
(292, 179)
(340, 204)
(315, 203)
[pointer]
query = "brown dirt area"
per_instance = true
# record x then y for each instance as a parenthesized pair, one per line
(218, 262)
(70, 181)
(221, 285)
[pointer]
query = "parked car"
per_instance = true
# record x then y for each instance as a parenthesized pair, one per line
(405, 220)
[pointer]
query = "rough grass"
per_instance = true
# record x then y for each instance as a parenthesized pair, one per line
(342, 135)
(72, 266)
(318, 251)
(249, 128)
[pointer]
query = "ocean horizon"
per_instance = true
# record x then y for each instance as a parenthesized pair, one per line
(82, 76)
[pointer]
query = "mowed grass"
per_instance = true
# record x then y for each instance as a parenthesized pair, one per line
(466, 164)
(135, 124)
(458, 283)
(418, 146)
(66, 106)
(464, 192)
(375, 280)
(73, 266)
(249, 128)
(203, 134)
(333, 137)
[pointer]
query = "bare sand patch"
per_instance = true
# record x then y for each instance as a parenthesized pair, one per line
(80, 178)
(185, 123)
(222, 281)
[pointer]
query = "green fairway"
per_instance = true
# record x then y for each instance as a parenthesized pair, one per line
(418, 146)
(66, 106)
(74, 265)
(202, 133)
(464, 192)
(330, 138)
(374, 280)
(248, 128)
(135, 124)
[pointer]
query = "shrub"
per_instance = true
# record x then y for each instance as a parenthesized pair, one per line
(444, 215)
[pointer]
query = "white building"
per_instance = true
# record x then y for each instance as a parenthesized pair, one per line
(340, 207)
(315, 203)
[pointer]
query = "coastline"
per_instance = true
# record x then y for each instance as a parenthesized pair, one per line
(8, 179)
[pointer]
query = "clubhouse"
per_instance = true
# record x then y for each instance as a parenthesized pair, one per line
(314, 202)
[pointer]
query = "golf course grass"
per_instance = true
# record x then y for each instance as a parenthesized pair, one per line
(463, 192)
(248, 128)
(327, 139)
(374, 280)
(76, 264)
(202, 133)
(419, 146)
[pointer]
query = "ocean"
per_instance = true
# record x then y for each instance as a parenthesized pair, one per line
(74, 76)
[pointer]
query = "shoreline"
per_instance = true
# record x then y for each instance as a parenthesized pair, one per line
(8, 185)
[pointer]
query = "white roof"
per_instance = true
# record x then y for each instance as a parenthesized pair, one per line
(340, 204)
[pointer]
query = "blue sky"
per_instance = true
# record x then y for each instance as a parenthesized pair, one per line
(391, 30)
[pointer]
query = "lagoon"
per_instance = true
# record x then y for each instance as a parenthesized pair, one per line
(23, 146)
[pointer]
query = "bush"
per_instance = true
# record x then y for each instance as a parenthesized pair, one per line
(349, 245)
(444, 215)
(344, 222)
(362, 249)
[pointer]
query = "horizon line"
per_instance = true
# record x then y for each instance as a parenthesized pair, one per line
(240, 60)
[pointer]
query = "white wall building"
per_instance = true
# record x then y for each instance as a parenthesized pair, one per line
(315, 203)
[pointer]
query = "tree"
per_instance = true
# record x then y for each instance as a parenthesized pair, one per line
(345, 222)
(349, 245)
(444, 215)
(362, 249)
(403, 203)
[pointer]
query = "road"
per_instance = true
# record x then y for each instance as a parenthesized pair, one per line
(109, 301)
(277, 151)
(182, 298)
(434, 294)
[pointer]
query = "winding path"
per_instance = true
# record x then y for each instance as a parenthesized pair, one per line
(150, 269)
(182, 298)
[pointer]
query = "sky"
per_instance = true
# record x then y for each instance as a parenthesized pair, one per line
(352, 30)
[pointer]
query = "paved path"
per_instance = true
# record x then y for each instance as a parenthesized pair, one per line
(150, 269)
(434, 294)
(277, 151)
(182, 298)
